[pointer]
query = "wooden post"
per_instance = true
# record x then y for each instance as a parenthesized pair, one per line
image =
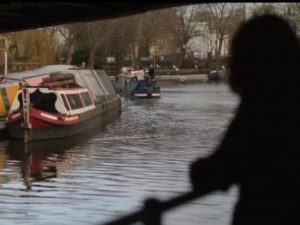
(26, 125)
(26, 166)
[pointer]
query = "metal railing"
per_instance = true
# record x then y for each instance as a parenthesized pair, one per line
(153, 210)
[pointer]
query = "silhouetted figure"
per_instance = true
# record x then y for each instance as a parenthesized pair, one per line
(151, 71)
(214, 76)
(260, 151)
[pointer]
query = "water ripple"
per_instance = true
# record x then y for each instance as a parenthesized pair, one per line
(110, 171)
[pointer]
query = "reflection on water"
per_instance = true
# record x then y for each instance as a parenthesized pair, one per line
(39, 159)
(108, 172)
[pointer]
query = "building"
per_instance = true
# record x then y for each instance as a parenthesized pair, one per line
(205, 42)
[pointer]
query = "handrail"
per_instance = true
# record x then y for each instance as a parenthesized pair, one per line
(153, 208)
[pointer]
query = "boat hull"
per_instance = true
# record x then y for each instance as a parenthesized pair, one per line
(127, 87)
(88, 120)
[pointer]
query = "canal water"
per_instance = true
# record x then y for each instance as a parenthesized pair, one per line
(107, 173)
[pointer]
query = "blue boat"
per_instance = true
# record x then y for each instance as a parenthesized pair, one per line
(136, 84)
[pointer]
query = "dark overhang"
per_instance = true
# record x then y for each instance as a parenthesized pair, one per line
(15, 16)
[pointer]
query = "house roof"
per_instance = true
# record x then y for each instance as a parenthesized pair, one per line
(16, 16)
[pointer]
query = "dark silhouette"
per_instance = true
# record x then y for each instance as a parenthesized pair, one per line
(260, 151)
(151, 72)
(214, 76)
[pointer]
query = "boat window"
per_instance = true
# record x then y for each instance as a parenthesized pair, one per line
(74, 101)
(65, 101)
(41, 101)
(86, 98)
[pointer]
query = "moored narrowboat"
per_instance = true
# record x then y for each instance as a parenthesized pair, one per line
(10, 84)
(59, 108)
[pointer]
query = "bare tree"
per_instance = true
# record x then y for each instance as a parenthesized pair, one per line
(69, 32)
(137, 35)
(32, 46)
(120, 41)
(223, 16)
(152, 27)
(292, 13)
(289, 11)
(94, 34)
(263, 8)
(186, 25)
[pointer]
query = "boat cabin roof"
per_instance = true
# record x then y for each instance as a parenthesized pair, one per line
(45, 70)
(58, 90)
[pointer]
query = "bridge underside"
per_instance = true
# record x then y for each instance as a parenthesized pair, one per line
(21, 16)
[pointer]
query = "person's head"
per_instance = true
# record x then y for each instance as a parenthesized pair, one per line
(264, 56)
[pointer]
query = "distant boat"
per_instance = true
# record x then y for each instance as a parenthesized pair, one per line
(134, 83)
(59, 107)
(217, 75)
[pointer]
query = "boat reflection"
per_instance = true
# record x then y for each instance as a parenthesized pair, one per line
(38, 159)
(42, 160)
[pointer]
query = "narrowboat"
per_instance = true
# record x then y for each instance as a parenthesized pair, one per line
(59, 107)
(136, 84)
(10, 84)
